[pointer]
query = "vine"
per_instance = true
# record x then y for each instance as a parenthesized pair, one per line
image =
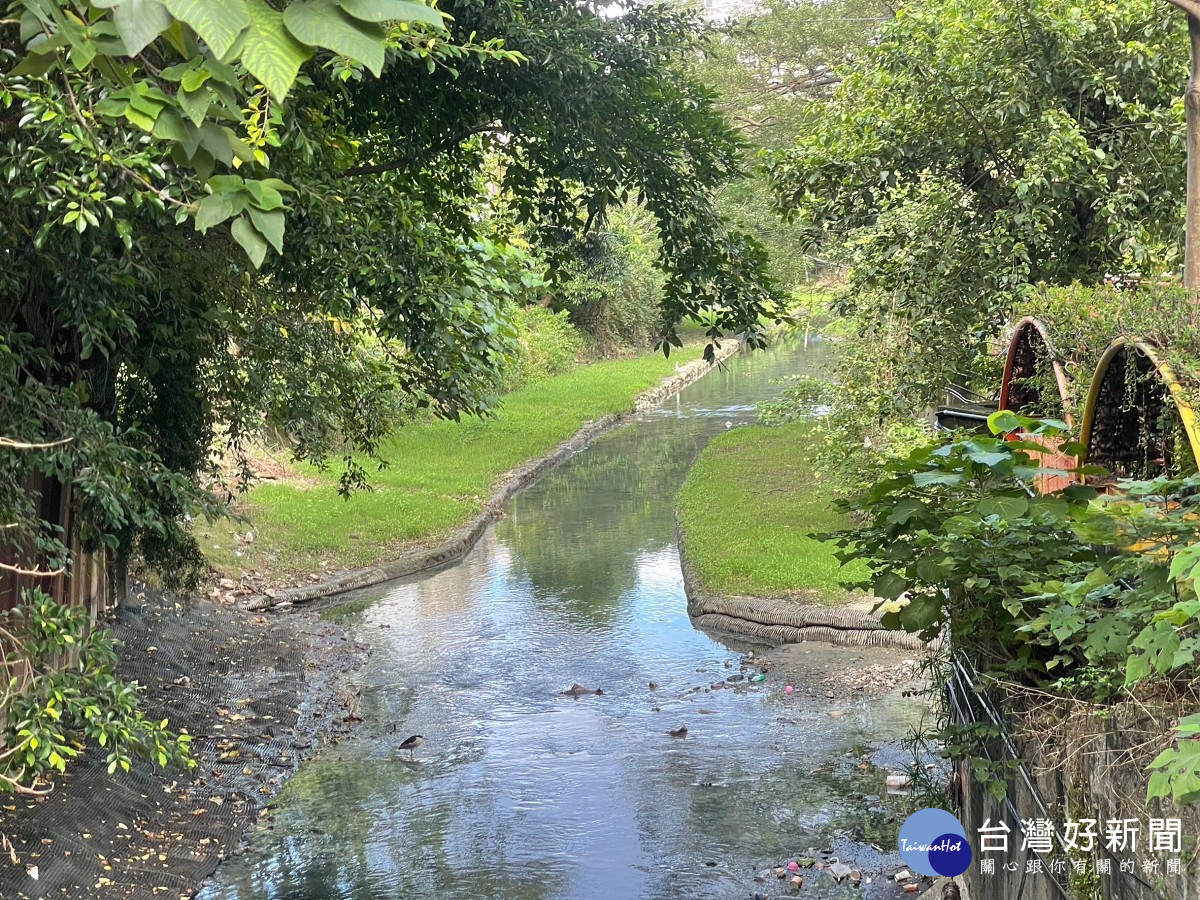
(60, 692)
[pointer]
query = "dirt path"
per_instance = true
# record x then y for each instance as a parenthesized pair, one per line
(260, 694)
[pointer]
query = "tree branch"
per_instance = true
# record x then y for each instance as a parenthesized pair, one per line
(34, 573)
(1191, 7)
(10, 444)
(490, 127)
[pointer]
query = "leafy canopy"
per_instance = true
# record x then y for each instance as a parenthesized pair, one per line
(218, 219)
(982, 146)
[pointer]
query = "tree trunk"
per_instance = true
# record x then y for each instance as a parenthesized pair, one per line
(1191, 241)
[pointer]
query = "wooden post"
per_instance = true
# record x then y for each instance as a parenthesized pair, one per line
(1191, 238)
(1191, 241)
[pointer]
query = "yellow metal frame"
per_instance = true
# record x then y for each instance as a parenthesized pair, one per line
(1186, 414)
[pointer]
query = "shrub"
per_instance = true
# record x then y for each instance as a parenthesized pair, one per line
(612, 288)
(1091, 596)
(547, 344)
(61, 691)
(848, 443)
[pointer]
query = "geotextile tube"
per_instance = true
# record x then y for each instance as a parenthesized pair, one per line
(780, 620)
(463, 538)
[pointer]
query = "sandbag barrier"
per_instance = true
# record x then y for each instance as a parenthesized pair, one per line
(779, 620)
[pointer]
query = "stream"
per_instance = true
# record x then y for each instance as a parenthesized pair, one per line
(522, 792)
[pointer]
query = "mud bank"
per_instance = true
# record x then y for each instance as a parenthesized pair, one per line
(259, 694)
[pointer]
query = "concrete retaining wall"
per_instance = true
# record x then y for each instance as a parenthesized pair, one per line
(782, 620)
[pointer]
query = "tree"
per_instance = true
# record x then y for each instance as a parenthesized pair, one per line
(983, 146)
(156, 154)
(1191, 256)
(766, 67)
(225, 216)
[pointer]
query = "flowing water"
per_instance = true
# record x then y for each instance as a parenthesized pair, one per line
(521, 792)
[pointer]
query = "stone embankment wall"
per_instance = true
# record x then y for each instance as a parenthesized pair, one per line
(783, 620)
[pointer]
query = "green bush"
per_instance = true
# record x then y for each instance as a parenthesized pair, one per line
(1089, 596)
(61, 691)
(612, 287)
(547, 345)
(848, 441)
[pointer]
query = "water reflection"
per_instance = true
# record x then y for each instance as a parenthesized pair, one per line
(521, 792)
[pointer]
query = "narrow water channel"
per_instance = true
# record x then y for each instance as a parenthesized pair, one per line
(521, 792)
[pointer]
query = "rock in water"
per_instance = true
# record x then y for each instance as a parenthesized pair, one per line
(839, 870)
(578, 690)
(681, 731)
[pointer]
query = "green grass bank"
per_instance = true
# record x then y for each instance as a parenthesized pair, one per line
(748, 512)
(439, 475)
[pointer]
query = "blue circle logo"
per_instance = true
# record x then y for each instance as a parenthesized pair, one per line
(933, 842)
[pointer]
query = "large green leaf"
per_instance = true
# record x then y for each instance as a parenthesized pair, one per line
(213, 210)
(321, 23)
(392, 10)
(1004, 421)
(169, 126)
(922, 614)
(140, 22)
(252, 242)
(218, 22)
(934, 476)
(270, 225)
(195, 104)
(270, 52)
(889, 586)
(1006, 508)
(905, 510)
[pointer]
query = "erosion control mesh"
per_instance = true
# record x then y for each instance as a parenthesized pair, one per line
(257, 692)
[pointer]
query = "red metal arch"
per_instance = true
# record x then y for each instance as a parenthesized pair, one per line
(1029, 345)
(1031, 342)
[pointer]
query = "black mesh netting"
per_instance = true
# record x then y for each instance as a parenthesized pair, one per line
(257, 692)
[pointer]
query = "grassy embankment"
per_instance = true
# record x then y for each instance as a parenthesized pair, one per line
(748, 512)
(439, 476)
